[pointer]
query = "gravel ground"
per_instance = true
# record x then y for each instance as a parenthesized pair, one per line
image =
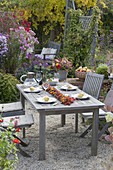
(64, 150)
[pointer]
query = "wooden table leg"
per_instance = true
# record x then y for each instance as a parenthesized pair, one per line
(76, 122)
(63, 119)
(95, 124)
(42, 135)
(22, 99)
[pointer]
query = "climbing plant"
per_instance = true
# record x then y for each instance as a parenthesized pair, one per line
(78, 41)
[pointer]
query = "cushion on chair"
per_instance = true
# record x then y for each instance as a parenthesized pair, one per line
(89, 115)
(19, 121)
(48, 51)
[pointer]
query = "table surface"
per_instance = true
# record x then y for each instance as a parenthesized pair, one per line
(79, 106)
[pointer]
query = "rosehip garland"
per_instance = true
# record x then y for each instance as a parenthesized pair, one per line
(66, 100)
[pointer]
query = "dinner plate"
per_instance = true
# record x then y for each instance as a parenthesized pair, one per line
(69, 87)
(52, 82)
(84, 97)
(41, 100)
(36, 90)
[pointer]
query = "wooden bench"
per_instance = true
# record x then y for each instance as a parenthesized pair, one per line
(15, 109)
(14, 114)
(11, 109)
(18, 121)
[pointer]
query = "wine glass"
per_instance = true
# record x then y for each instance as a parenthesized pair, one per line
(39, 77)
(56, 77)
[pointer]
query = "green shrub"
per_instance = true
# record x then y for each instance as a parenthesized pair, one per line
(102, 69)
(8, 90)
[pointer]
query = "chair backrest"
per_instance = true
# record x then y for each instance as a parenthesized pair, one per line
(109, 101)
(55, 45)
(93, 83)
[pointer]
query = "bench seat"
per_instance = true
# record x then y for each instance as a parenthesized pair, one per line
(11, 109)
(18, 121)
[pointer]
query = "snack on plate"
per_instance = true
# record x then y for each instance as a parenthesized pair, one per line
(50, 80)
(80, 95)
(46, 98)
(32, 88)
(69, 87)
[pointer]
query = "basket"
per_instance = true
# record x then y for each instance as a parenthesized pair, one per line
(80, 75)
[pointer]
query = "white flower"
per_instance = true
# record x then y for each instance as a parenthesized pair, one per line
(109, 117)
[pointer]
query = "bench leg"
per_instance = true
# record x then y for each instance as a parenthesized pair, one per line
(22, 152)
(23, 131)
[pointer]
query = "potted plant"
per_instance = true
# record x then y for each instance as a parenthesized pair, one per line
(102, 69)
(62, 65)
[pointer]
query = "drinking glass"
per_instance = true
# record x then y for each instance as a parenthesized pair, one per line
(39, 77)
(56, 77)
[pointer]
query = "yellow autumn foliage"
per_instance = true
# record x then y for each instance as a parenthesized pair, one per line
(51, 12)
(89, 3)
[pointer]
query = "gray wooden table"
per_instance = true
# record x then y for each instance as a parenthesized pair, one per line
(79, 106)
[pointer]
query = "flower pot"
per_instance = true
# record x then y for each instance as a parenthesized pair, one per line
(62, 75)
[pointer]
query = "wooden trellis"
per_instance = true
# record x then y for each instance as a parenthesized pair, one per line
(85, 21)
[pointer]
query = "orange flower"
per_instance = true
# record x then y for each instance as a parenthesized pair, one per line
(57, 65)
(18, 129)
(1, 120)
(16, 141)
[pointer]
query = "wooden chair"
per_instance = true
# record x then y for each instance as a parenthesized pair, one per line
(92, 86)
(49, 52)
(55, 45)
(102, 113)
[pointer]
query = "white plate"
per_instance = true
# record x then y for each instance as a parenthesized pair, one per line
(53, 82)
(41, 100)
(36, 89)
(86, 96)
(69, 87)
